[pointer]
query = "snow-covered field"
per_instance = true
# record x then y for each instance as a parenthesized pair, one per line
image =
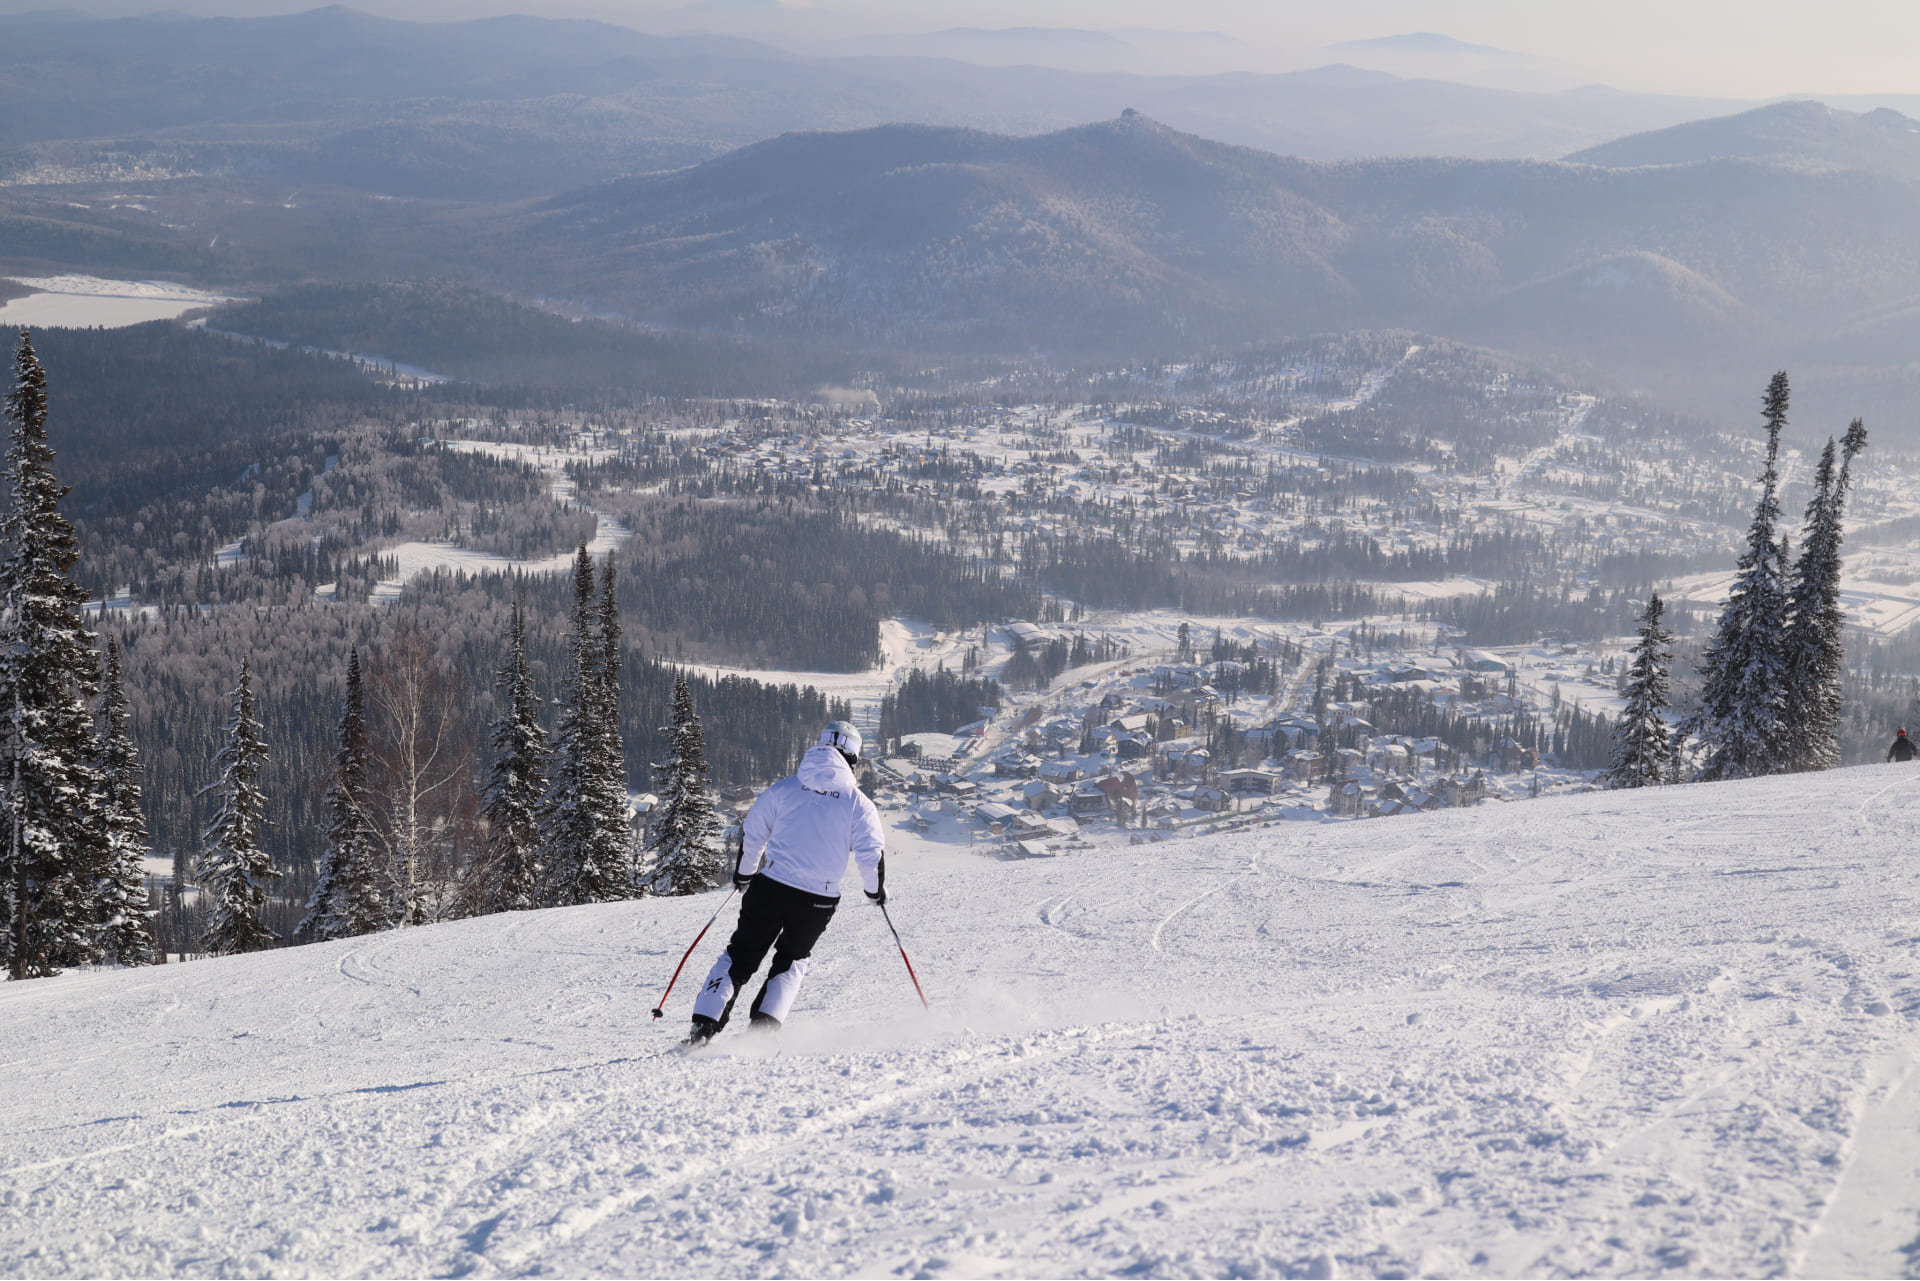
(84, 301)
(1667, 1032)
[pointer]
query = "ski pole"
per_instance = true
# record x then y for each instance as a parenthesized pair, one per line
(903, 956)
(661, 1008)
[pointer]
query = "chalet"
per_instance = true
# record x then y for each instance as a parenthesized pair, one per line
(1513, 756)
(1348, 800)
(1305, 766)
(1388, 758)
(1060, 772)
(1458, 791)
(1040, 794)
(996, 816)
(1089, 800)
(1214, 800)
(1016, 765)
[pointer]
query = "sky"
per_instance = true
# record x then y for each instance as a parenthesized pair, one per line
(1727, 48)
(1754, 48)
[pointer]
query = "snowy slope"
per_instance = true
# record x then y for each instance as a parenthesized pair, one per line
(1665, 1032)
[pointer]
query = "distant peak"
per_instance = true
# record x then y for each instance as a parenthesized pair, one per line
(1423, 42)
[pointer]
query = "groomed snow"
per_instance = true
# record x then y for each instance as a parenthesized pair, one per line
(1665, 1032)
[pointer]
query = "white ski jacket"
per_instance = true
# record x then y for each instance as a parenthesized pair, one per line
(807, 824)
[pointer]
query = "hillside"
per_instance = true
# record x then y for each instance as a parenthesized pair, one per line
(1128, 234)
(1651, 1033)
(1808, 134)
(516, 106)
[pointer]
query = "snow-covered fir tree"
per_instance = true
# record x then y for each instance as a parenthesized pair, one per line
(234, 870)
(1815, 641)
(1744, 668)
(683, 844)
(1642, 744)
(124, 914)
(350, 896)
(612, 813)
(584, 860)
(506, 878)
(55, 842)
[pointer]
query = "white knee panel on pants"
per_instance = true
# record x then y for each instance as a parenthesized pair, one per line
(717, 991)
(781, 989)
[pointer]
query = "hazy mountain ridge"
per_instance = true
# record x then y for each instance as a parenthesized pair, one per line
(291, 95)
(1808, 134)
(1128, 232)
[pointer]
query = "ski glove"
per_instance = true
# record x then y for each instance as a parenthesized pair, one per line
(742, 880)
(878, 897)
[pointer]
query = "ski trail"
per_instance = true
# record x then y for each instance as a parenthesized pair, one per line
(1870, 1226)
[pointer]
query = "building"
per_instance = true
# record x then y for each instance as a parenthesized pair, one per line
(1248, 782)
(1485, 661)
(1040, 794)
(1305, 766)
(1214, 800)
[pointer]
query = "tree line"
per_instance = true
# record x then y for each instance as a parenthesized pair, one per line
(1772, 675)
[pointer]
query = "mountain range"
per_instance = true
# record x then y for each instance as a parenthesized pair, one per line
(1129, 235)
(601, 170)
(509, 107)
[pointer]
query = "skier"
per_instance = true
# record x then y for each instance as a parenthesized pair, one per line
(805, 825)
(1902, 749)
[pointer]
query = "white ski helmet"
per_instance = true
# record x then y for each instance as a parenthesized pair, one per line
(844, 738)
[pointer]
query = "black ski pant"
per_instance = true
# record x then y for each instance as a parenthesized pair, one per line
(776, 916)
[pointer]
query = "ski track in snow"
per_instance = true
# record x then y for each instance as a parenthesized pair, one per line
(1670, 1032)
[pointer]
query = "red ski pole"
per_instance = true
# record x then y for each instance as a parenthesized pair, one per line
(903, 956)
(661, 1008)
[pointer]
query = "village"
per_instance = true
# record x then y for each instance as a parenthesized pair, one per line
(1142, 751)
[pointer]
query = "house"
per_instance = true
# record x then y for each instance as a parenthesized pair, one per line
(1305, 766)
(995, 815)
(1058, 772)
(1016, 765)
(1032, 849)
(1348, 800)
(1122, 793)
(1513, 756)
(1389, 758)
(1458, 791)
(1348, 761)
(1040, 794)
(1214, 800)
(1116, 794)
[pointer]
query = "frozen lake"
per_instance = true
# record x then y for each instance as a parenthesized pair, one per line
(81, 302)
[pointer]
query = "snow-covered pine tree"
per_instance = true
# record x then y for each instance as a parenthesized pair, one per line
(613, 825)
(1642, 743)
(579, 863)
(506, 878)
(54, 843)
(234, 870)
(683, 844)
(1743, 670)
(350, 896)
(1815, 641)
(125, 918)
